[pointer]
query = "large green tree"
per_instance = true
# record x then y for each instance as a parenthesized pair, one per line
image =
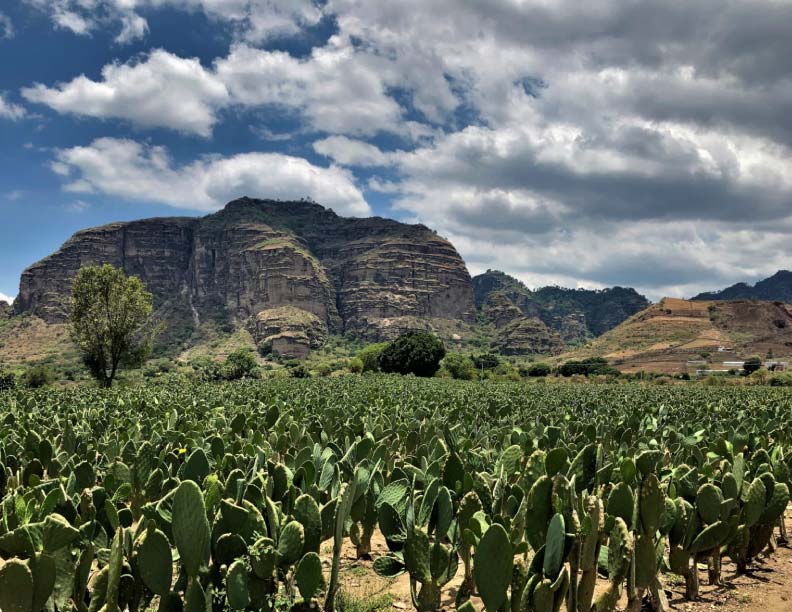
(416, 352)
(110, 320)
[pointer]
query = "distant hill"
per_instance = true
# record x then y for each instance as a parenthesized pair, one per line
(573, 315)
(777, 288)
(668, 335)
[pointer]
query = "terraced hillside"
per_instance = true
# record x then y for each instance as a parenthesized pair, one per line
(668, 335)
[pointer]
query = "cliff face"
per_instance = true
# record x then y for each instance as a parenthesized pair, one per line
(575, 314)
(352, 275)
(516, 332)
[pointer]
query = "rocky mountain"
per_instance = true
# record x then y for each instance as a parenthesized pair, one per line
(291, 272)
(777, 288)
(556, 316)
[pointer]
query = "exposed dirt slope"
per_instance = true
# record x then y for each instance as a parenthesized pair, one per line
(668, 335)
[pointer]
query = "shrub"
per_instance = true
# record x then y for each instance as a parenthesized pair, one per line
(265, 348)
(416, 352)
(539, 370)
(587, 367)
(39, 376)
(355, 365)
(240, 364)
(299, 371)
(752, 364)
(7, 382)
(459, 366)
(486, 361)
(370, 355)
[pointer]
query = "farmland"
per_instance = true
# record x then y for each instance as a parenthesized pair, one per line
(254, 495)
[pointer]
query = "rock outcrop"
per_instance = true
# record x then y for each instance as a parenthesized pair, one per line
(576, 315)
(355, 276)
(289, 332)
(516, 332)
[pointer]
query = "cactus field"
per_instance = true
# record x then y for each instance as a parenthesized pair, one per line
(243, 496)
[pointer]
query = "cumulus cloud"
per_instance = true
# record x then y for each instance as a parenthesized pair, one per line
(5, 298)
(8, 110)
(252, 20)
(163, 90)
(351, 152)
(645, 142)
(137, 171)
(334, 90)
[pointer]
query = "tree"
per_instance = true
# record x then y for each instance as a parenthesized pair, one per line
(240, 364)
(486, 361)
(110, 320)
(539, 370)
(752, 364)
(416, 352)
(370, 356)
(459, 366)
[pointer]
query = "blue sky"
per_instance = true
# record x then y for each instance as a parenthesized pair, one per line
(641, 143)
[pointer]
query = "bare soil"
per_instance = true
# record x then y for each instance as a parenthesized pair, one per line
(767, 587)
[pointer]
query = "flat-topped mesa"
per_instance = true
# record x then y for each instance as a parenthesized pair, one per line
(353, 275)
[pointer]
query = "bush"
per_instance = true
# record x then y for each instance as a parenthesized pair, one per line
(355, 365)
(587, 367)
(370, 355)
(324, 369)
(240, 364)
(299, 371)
(459, 366)
(7, 382)
(780, 380)
(752, 364)
(539, 370)
(39, 376)
(486, 361)
(416, 352)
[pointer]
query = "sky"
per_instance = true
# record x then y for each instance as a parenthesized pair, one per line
(643, 143)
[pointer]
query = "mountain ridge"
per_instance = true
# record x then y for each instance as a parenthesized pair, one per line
(775, 288)
(368, 277)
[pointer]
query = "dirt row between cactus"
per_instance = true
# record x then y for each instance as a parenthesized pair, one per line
(766, 588)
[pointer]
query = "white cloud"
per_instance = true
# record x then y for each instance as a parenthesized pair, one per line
(6, 298)
(6, 26)
(129, 169)
(77, 207)
(163, 90)
(252, 20)
(9, 110)
(335, 89)
(349, 152)
(599, 142)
